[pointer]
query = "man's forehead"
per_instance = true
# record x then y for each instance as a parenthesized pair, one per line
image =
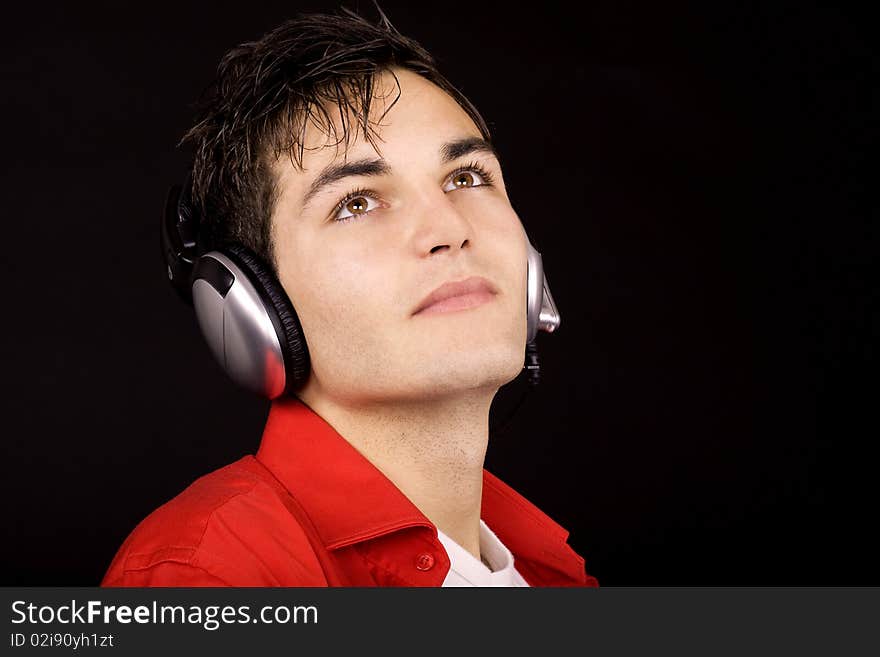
(402, 102)
(334, 129)
(442, 149)
(424, 123)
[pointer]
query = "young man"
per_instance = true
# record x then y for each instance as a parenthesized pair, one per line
(367, 185)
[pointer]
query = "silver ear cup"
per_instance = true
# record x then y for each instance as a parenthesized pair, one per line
(237, 326)
(548, 319)
(542, 314)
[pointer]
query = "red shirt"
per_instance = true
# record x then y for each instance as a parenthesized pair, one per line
(310, 510)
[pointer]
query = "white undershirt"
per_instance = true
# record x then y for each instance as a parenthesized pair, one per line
(467, 570)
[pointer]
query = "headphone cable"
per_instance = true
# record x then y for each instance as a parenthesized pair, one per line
(533, 366)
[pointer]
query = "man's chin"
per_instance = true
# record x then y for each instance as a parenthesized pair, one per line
(462, 374)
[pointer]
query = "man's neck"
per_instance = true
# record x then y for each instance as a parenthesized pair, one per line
(432, 451)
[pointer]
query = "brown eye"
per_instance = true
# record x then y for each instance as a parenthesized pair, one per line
(471, 176)
(357, 205)
(464, 179)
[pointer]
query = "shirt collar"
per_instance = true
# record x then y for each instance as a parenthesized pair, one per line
(349, 500)
(496, 567)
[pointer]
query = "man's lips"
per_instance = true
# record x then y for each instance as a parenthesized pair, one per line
(457, 295)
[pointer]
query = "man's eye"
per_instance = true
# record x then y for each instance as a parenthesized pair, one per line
(469, 178)
(354, 206)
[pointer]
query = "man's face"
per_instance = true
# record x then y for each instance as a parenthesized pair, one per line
(356, 273)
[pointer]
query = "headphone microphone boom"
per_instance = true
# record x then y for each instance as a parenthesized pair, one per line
(247, 319)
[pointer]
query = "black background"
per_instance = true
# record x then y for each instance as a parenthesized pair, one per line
(695, 175)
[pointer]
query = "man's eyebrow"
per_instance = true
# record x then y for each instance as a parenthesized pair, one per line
(335, 172)
(449, 151)
(457, 148)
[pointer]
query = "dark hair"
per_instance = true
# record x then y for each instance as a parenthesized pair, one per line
(265, 95)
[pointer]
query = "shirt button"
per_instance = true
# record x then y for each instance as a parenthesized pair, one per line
(425, 561)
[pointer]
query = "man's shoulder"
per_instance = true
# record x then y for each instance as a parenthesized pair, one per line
(230, 527)
(182, 521)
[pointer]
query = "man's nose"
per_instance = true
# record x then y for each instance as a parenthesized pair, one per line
(442, 227)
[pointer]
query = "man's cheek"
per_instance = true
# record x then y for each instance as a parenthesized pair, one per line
(349, 312)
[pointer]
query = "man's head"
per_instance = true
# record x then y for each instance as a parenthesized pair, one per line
(334, 150)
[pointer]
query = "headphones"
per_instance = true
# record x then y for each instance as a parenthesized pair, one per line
(247, 318)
